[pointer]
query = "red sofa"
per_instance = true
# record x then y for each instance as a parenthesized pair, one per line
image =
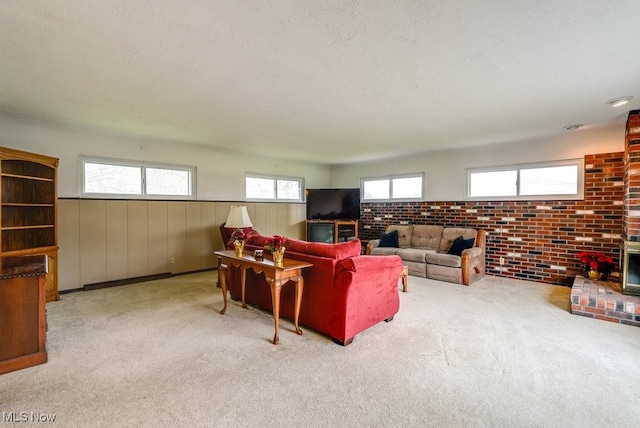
(344, 293)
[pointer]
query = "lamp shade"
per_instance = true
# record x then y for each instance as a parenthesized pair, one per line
(238, 218)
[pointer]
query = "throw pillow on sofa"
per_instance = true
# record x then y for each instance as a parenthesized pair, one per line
(389, 239)
(460, 244)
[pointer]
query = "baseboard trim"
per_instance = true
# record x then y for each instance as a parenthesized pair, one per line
(70, 290)
(125, 281)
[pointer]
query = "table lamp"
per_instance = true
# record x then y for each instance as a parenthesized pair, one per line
(238, 218)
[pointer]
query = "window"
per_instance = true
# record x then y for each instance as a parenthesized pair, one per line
(549, 180)
(108, 178)
(404, 187)
(272, 188)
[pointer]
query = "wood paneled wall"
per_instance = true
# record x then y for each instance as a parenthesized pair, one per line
(107, 240)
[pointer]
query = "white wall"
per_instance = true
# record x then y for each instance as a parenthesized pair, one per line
(220, 173)
(106, 240)
(445, 174)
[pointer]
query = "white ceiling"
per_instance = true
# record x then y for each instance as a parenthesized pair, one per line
(328, 81)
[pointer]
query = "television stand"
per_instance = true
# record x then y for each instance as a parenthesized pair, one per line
(331, 231)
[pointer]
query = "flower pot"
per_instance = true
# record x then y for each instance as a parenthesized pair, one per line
(595, 275)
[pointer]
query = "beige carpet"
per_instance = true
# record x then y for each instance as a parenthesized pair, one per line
(501, 353)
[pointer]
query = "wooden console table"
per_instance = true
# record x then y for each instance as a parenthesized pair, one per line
(23, 320)
(276, 277)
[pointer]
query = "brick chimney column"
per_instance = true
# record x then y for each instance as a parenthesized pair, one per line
(631, 216)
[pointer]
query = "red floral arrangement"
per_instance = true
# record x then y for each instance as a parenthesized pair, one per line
(276, 243)
(238, 235)
(599, 262)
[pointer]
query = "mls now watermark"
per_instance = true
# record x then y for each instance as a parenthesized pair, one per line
(28, 417)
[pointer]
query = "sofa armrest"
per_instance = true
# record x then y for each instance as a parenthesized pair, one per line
(473, 264)
(372, 244)
(365, 293)
(473, 252)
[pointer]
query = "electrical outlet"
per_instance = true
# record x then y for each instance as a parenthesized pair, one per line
(173, 260)
(501, 261)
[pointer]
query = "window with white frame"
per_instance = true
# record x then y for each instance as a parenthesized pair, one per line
(546, 180)
(273, 188)
(399, 187)
(110, 178)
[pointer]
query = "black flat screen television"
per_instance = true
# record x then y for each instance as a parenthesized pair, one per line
(333, 204)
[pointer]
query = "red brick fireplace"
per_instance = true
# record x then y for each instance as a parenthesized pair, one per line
(619, 301)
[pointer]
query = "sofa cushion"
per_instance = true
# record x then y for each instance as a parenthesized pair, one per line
(404, 234)
(338, 251)
(389, 239)
(296, 245)
(460, 244)
(383, 251)
(258, 240)
(414, 254)
(444, 260)
(427, 236)
(449, 234)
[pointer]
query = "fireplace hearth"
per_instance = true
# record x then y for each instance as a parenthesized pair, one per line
(604, 300)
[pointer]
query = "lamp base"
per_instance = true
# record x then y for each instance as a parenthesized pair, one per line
(278, 257)
(239, 247)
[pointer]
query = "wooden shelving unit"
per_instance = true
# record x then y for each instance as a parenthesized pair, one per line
(29, 210)
(331, 231)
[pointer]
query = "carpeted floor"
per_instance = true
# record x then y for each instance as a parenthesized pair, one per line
(501, 353)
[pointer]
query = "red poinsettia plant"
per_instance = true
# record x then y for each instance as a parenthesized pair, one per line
(276, 243)
(599, 262)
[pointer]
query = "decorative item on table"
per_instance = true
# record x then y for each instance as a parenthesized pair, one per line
(258, 255)
(277, 247)
(238, 237)
(596, 265)
(238, 218)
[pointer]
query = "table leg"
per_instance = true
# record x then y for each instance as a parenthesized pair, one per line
(275, 300)
(219, 263)
(243, 280)
(299, 289)
(405, 278)
(222, 279)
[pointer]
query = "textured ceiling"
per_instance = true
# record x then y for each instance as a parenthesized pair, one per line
(323, 81)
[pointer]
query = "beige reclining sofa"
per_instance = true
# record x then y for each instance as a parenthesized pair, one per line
(451, 254)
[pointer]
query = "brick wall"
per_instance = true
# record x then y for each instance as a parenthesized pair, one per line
(538, 240)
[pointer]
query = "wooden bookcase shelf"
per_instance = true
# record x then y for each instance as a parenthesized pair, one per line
(28, 209)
